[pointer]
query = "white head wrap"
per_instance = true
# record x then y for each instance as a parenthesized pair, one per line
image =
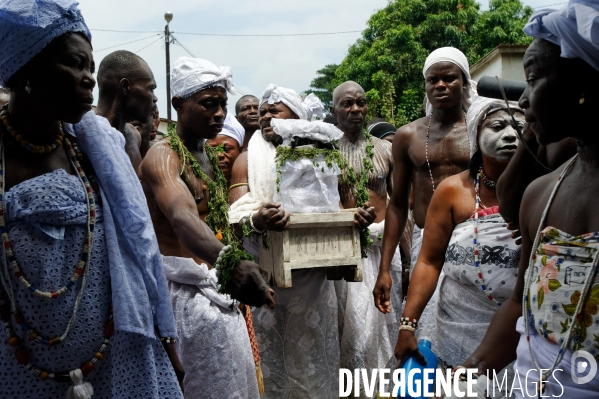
(233, 129)
(303, 109)
(191, 75)
(575, 28)
(27, 26)
(478, 112)
(455, 56)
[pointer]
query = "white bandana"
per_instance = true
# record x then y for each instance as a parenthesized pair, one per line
(455, 56)
(233, 129)
(191, 75)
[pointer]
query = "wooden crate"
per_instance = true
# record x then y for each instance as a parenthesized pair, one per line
(314, 240)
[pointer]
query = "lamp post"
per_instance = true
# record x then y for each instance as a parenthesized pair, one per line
(168, 16)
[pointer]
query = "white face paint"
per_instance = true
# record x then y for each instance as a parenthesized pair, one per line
(497, 137)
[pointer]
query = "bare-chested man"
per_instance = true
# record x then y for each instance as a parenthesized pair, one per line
(214, 347)
(365, 337)
(302, 331)
(126, 93)
(246, 110)
(426, 152)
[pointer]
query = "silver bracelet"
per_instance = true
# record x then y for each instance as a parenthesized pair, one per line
(223, 251)
(252, 224)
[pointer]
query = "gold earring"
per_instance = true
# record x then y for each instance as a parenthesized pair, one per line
(581, 101)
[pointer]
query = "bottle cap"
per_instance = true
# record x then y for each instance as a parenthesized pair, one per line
(426, 342)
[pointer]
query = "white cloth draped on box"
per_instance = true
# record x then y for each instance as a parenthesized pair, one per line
(299, 339)
(214, 346)
(368, 336)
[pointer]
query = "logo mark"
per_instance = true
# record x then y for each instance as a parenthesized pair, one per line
(584, 367)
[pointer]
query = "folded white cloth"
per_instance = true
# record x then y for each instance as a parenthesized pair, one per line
(317, 130)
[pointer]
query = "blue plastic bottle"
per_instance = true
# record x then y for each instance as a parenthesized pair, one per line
(424, 346)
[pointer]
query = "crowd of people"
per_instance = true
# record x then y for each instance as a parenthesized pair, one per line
(131, 264)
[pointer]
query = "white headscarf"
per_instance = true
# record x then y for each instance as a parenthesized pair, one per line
(455, 56)
(191, 75)
(478, 112)
(303, 109)
(575, 28)
(233, 129)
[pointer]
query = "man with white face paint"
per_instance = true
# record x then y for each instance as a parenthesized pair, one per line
(475, 250)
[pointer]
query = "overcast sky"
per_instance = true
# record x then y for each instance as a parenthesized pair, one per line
(255, 61)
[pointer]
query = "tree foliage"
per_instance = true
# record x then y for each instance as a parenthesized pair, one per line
(387, 60)
(323, 84)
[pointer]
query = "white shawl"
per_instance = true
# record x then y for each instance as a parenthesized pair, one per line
(261, 178)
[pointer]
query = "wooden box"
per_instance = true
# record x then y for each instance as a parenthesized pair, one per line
(314, 240)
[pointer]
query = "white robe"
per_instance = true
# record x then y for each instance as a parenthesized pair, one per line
(214, 346)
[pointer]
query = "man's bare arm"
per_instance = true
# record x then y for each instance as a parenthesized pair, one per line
(160, 171)
(239, 179)
(396, 216)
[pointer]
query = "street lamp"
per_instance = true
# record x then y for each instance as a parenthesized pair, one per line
(168, 16)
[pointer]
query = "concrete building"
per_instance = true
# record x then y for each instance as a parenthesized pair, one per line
(504, 61)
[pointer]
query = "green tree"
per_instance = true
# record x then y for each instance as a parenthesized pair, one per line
(387, 60)
(323, 85)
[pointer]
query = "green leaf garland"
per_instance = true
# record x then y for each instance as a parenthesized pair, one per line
(218, 206)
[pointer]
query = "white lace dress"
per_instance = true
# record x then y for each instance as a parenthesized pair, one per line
(299, 340)
(47, 219)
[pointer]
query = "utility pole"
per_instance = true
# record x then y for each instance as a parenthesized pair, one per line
(168, 16)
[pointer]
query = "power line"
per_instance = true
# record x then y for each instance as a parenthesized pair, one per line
(126, 31)
(269, 35)
(144, 47)
(549, 5)
(122, 44)
(182, 45)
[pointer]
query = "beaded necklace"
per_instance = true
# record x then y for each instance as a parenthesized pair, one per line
(476, 243)
(428, 129)
(36, 149)
(9, 257)
(528, 281)
(486, 181)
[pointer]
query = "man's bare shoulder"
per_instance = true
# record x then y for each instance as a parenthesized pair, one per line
(383, 147)
(160, 158)
(240, 169)
(132, 135)
(411, 129)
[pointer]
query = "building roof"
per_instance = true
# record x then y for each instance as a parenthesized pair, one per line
(501, 49)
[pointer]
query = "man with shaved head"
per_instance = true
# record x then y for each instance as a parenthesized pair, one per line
(365, 338)
(426, 152)
(126, 85)
(246, 110)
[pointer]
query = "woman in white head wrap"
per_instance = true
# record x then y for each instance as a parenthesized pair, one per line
(455, 56)
(90, 288)
(467, 238)
(228, 145)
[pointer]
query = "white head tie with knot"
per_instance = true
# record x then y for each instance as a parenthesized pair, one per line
(455, 56)
(575, 28)
(478, 112)
(233, 129)
(303, 109)
(191, 75)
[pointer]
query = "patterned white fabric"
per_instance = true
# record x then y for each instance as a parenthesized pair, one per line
(368, 336)
(134, 365)
(190, 75)
(139, 291)
(574, 28)
(27, 26)
(299, 340)
(214, 346)
(317, 130)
